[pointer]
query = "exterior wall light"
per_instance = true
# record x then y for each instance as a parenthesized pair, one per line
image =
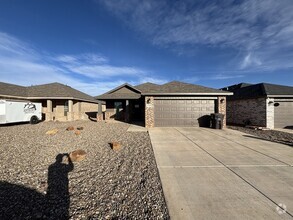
(222, 100)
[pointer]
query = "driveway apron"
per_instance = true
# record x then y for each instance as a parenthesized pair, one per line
(223, 174)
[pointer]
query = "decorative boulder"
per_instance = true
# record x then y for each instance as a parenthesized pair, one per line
(115, 145)
(77, 155)
(52, 132)
(70, 128)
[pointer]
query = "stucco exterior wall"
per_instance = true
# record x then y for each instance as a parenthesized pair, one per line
(254, 110)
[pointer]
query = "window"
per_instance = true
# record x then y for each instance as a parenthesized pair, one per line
(118, 104)
(66, 108)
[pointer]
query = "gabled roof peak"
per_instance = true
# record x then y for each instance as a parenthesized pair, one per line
(121, 86)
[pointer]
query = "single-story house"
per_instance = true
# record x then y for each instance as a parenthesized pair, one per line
(171, 104)
(59, 102)
(263, 104)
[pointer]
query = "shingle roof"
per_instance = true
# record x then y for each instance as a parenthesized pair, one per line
(133, 93)
(273, 89)
(51, 90)
(171, 88)
(118, 96)
(176, 87)
(57, 90)
(235, 87)
(262, 90)
(7, 89)
(147, 87)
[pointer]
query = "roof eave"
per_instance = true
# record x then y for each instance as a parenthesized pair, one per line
(12, 96)
(100, 98)
(69, 98)
(193, 94)
(280, 96)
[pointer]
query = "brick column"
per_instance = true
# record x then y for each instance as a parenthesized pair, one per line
(149, 112)
(221, 105)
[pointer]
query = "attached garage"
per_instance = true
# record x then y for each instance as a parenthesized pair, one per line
(171, 104)
(262, 104)
(182, 112)
(283, 111)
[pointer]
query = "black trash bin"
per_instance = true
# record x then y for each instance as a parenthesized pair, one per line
(217, 120)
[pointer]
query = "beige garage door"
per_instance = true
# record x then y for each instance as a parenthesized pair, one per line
(283, 114)
(183, 112)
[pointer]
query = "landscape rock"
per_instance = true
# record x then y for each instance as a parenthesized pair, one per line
(52, 132)
(77, 132)
(267, 134)
(134, 192)
(116, 146)
(79, 128)
(77, 155)
(70, 128)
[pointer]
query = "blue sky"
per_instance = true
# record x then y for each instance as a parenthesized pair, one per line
(95, 45)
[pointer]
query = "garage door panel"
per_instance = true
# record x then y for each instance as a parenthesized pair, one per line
(182, 112)
(283, 114)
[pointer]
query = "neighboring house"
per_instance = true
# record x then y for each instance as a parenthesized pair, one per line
(59, 102)
(171, 104)
(263, 104)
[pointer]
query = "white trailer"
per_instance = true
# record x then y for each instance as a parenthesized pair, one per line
(20, 111)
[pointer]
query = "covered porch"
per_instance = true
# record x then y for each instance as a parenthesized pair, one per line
(126, 110)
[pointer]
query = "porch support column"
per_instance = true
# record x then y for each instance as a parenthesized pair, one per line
(127, 111)
(49, 112)
(100, 111)
(70, 114)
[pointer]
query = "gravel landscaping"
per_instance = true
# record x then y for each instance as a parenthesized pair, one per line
(108, 184)
(270, 135)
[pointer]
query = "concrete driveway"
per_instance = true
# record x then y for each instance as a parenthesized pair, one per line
(223, 174)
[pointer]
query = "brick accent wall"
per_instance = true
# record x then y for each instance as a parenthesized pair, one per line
(253, 110)
(221, 108)
(149, 112)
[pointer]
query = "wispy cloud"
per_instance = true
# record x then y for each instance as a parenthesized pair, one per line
(87, 58)
(258, 27)
(250, 60)
(22, 64)
(222, 76)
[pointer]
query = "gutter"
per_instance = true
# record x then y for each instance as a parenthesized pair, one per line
(280, 96)
(191, 94)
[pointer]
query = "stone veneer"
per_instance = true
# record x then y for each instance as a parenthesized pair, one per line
(221, 108)
(258, 111)
(149, 112)
(270, 113)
